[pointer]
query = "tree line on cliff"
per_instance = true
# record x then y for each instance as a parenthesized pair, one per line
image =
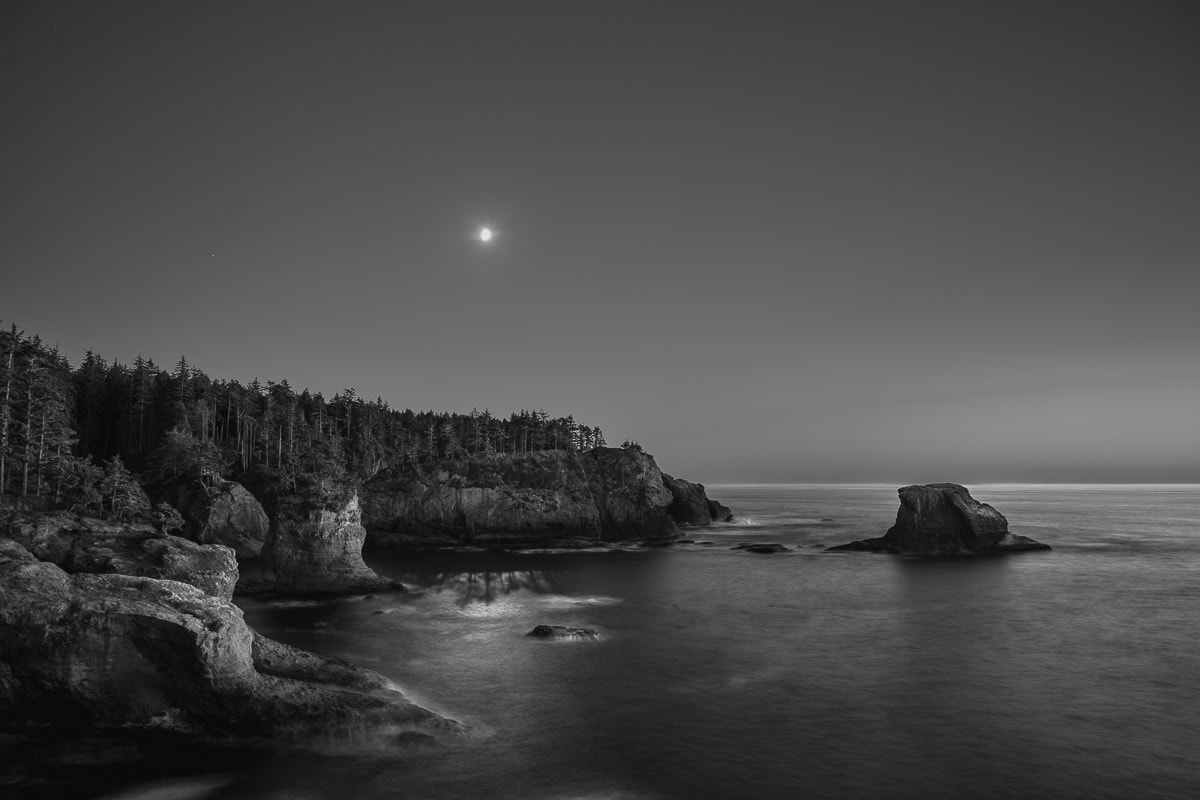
(75, 437)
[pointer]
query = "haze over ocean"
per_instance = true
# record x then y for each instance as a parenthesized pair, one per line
(769, 241)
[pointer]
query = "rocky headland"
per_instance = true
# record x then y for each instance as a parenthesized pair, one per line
(942, 519)
(549, 498)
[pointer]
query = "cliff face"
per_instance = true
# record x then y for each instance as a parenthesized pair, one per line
(91, 650)
(690, 504)
(316, 550)
(79, 544)
(940, 519)
(222, 514)
(606, 494)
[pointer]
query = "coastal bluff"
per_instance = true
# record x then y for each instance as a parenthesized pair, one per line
(942, 519)
(553, 497)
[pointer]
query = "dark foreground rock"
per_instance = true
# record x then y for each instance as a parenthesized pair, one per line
(316, 550)
(92, 651)
(547, 498)
(564, 633)
(82, 544)
(762, 548)
(942, 519)
(222, 513)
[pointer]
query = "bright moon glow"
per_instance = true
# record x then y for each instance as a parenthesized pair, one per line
(485, 234)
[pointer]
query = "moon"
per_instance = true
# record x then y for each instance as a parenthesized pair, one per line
(485, 235)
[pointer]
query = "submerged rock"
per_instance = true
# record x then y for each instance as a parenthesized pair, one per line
(224, 513)
(757, 547)
(81, 544)
(940, 519)
(86, 651)
(316, 549)
(563, 632)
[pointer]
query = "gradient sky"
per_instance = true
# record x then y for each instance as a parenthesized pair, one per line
(769, 241)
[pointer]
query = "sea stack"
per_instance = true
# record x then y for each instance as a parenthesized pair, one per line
(942, 519)
(316, 548)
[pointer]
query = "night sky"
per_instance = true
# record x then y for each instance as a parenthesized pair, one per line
(769, 241)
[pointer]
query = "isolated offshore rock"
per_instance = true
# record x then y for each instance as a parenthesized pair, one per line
(86, 650)
(222, 513)
(939, 519)
(554, 497)
(316, 549)
(563, 632)
(82, 544)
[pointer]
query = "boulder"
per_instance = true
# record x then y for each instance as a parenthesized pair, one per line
(87, 651)
(547, 498)
(221, 513)
(316, 549)
(563, 633)
(942, 519)
(81, 544)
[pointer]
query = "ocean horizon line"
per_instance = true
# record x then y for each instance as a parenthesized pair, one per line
(890, 485)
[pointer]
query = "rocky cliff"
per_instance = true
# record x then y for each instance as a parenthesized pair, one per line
(940, 519)
(316, 547)
(81, 544)
(690, 504)
(89, 650)
(548, 497)
(221, 513)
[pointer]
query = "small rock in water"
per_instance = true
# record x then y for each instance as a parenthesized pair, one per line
(762, 548)
(563, 632)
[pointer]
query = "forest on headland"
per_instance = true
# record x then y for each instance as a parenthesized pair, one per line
(85, 438)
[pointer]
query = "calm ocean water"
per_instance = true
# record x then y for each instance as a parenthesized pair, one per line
(1070, 673)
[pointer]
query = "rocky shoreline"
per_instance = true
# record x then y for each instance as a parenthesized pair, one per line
(105, 625)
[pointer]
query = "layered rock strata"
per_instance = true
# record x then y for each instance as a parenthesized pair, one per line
(942, 519)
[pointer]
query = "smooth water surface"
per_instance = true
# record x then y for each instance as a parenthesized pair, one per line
(722, 674)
